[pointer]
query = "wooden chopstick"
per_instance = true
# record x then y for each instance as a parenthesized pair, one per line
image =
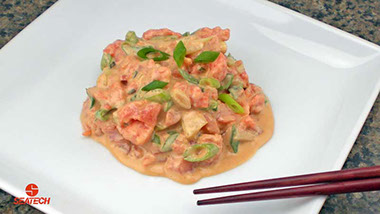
(321, 189)
(333, 176)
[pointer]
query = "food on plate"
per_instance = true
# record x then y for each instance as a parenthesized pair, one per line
(176, 105)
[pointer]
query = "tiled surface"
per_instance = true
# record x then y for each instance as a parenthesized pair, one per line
(359, 17)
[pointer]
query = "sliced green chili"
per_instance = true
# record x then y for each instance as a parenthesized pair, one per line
(227, 81)
(107, 61)
(234, 144)
(92, 99)
(231, 103)
(158, 96)
(155, 84)
(169, 141)
(192, 153)
(156, 139)
(179, 53)
(131, 38)
(210, 82)
(168, 105)
(145, 51)
(188, 77)
(103, 114)
(206, 56)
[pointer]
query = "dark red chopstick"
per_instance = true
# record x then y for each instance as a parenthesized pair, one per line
(321, 189)
(333, 176)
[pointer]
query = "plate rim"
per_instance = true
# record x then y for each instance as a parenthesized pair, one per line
(350, 141)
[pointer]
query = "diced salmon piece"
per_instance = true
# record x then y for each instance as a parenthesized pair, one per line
(198, 98)
(224, 114)
(224, 35)
(114, 49)
(159, 32)
(136, 132)
(172, 117)
(256, 98)
(211, 126)
(136, 120)
(218, 68)
(178, 164)
(143, 111)
(180, 144)
(162, 74)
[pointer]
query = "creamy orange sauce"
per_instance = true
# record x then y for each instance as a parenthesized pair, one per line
(183, 110)
(228, 160)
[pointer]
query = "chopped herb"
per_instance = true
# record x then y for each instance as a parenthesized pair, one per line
(145, 51)
(135, 74)
(202, 69)
(179, 53)
(188, 77)
(112, 64)
(132, 91)
(206, 56)
(186, 34)
(155, 84)
(92, 99)
(133, 98)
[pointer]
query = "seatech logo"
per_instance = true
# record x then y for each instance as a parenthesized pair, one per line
(31, 190)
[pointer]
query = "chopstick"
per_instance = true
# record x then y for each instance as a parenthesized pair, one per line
(339, 175)
(335, 182)
(323, 189)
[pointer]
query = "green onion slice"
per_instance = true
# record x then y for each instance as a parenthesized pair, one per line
(155, 84)
(156, 139)
(226, 83)
(169, 141)
(200, 152)
(234, 144)
(206, 56)
(92, 99)
(103, 114)
(168, 105)
(158, 96)
(107, 61)
(145, 51)
(179, 53)
(213, 105)
(131, 38)
(188, 77)
(210, 82)
(231, 103)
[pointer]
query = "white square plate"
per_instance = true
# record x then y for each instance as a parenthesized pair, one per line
(321, 81)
